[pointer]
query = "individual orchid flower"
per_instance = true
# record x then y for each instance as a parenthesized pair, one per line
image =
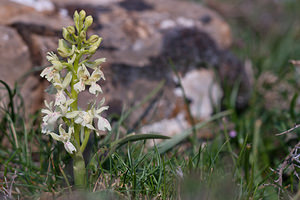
(103, 124)
(65, 137)
(65, 107)
(86, 79)
(50, 72)
(52, 57)
(84, 118)
(60, 97)
(50, 118)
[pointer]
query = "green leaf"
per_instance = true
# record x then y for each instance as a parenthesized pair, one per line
(137, 137)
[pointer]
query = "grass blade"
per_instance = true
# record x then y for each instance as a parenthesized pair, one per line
(167, 145)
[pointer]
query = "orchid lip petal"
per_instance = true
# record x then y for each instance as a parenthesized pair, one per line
(69, 147)
(80, 86)
(103, 124)
(60, 98)
(95, 88)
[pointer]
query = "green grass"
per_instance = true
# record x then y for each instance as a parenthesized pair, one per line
(220, 168)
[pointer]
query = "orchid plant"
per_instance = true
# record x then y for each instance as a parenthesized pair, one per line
(63, 120)
(69, 77)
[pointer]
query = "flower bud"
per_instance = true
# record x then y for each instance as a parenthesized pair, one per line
(82, 15)
(65, 33)
(71, 29)
(95, 64)
(88, 21)
(93, 39)
(76, 16)
(83, 35)
(61, 48)
(64, 49)
(76, 20)
(95, 46)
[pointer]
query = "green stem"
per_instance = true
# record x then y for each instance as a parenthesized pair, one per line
(74, 105)
(68, 93)
(79, 170)
(86, 139)
(70, 67)
(77, 133)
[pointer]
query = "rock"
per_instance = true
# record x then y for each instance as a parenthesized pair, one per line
(12, 47)
(141, 37)
(10, 9)
(24, 42)
(168, 127)
(28, 22)
(203, 97)
(258, 15)
(39, 5)
(15, 63)
(41, 23)
(86, 2)
(138, 32)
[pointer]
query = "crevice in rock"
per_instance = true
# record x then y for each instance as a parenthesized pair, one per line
(136, 5)
(206, 19)
(107, 48)
(126, 74)
(189, 48)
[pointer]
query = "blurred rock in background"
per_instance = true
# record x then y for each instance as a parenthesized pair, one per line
(145, 42)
